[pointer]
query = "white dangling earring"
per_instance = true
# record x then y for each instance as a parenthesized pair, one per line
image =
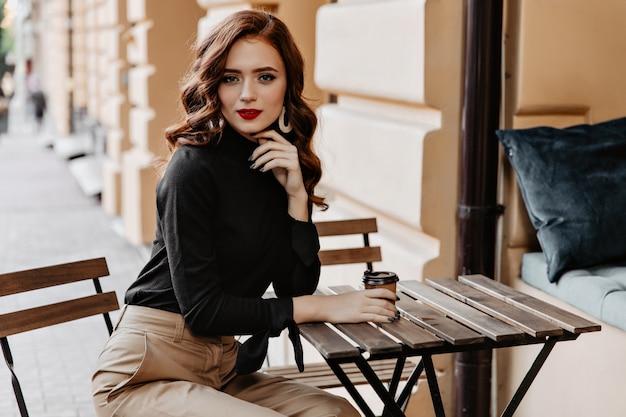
(283, 123)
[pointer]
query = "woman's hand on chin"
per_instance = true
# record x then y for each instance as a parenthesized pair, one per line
(277, 154)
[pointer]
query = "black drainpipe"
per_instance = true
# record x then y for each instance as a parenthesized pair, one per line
(478, 210)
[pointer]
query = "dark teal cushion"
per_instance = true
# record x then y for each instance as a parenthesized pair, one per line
(573, 182)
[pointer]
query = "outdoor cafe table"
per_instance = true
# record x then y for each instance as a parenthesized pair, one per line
(443, 316)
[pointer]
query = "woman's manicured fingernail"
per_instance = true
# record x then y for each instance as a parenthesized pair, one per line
(252, 166)
(397, 314)
(391, 319)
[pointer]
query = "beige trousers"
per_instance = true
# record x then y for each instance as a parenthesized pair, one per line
(153, 366)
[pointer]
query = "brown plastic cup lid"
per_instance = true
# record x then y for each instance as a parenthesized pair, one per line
(379, 277)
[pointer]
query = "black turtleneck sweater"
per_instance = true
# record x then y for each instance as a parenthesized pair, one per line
(223, 236)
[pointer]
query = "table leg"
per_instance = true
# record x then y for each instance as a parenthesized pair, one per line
(391, 407)
(349, 386)
(435, 394)
(403, 398)
(530, 377)
(397, 374)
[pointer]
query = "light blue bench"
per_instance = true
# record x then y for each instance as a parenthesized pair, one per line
(599, 291)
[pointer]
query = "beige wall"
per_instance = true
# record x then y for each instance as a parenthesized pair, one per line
(115, 110)
(52, 60)
(92, 55)
(565, 62)
(390, 144)
(158, 54)
(79, 53)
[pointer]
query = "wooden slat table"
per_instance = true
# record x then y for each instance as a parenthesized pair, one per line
(442, 316)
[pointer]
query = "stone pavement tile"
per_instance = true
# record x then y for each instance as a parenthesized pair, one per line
(45, 219)
(33, 176)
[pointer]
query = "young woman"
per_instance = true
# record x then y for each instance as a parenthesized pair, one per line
(234, 216)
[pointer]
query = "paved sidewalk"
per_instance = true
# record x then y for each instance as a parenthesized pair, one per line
(45, 219)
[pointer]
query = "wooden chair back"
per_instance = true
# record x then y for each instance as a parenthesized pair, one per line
(15, 322)
(349, 255)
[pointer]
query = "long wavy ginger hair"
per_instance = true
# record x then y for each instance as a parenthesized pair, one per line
(203, 123)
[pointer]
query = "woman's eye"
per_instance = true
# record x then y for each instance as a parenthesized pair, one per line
(266, 77)
(229, 79)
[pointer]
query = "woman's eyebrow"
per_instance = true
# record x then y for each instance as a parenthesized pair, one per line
(262, 69)
(265, 69)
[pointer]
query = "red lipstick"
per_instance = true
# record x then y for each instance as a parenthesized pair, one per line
(248, 114)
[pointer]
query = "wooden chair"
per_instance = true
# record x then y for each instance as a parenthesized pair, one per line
(55, 313)
(363, 254)
(319, 374)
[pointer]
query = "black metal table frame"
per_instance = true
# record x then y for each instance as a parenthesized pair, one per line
(394, 406)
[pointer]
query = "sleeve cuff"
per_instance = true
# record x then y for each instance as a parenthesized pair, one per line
(253, 351)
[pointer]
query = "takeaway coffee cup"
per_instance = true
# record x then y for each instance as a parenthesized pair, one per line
(380, 279)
